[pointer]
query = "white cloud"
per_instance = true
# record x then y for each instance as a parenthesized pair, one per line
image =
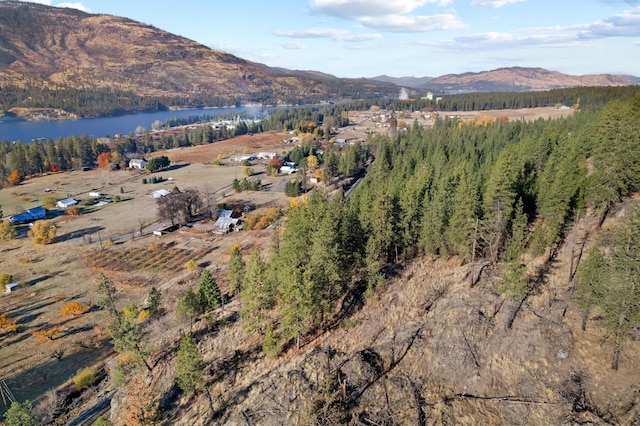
(389, 15)
(357, 9)
(74, 5)
(294, 45)
(71, 5)
(311, 33)
(626, 24)
(493, 40)
(244, 52)
(361, 37)
(407, 23)
(493, 3)
(330, 33)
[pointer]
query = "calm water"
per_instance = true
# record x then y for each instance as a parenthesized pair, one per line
(14, 129)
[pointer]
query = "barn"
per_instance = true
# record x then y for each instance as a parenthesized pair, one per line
(31, 215)
(66, 203)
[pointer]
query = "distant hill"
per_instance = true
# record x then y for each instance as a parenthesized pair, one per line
(514, 79)
(411, 82)
(43, 46)
(50, 48)
(518, 79)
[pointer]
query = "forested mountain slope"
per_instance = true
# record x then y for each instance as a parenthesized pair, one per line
(65, 58)
(480, 274)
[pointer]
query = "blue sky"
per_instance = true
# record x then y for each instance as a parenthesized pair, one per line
(366, 38)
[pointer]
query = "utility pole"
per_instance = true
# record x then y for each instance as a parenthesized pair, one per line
(99, 238)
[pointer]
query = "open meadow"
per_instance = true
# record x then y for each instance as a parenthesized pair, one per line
(49, 347)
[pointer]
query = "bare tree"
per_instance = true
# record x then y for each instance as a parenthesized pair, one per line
(178, 205)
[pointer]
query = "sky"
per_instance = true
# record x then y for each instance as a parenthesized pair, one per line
(418, 38)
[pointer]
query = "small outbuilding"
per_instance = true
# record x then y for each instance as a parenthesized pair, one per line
(66, 203)
(160, 193)
(137, 163)
(287, 170)
(226, 224)
(8, 288)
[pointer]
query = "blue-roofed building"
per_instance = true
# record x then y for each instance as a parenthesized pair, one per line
(31, 215)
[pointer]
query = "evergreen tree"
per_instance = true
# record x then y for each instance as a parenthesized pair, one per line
(155, 303)
(189, 365)
(189, 306)
(209, 294)
(270, 343)
(610, 279)
(257, 293)
(235, 271)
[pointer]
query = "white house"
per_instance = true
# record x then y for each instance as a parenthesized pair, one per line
(242, 158)
(267, 155)
(288, 170)
(66, 203)
(226, 224)
(137, 163)
(8, 288)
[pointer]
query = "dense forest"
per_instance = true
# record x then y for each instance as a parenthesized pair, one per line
(100, 102)
(583, 97)
(499, 194)
(28, 159)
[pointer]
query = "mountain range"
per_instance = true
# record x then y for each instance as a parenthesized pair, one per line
(516, 79)
(49, 47)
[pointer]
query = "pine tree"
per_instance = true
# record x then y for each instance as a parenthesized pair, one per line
(256, 293)
(235, 271)
(189, 306)
(270, 343)
(189, 365)
(209, 294)
(610, 278)
(155, 303)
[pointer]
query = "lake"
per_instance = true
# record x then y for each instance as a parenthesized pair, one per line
(18, 129)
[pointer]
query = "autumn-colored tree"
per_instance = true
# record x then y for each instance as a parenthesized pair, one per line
(312, 162)
(73, 211)
(104, 160)
(7, 324)
(47, 334)
(276, 162)
(86, 377)
(5, 279)
(73, 309)
(42, 232)
(14, 178)
(191, 265)
(7, 230)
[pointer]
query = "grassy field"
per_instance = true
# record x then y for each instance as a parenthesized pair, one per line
(54, 275)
